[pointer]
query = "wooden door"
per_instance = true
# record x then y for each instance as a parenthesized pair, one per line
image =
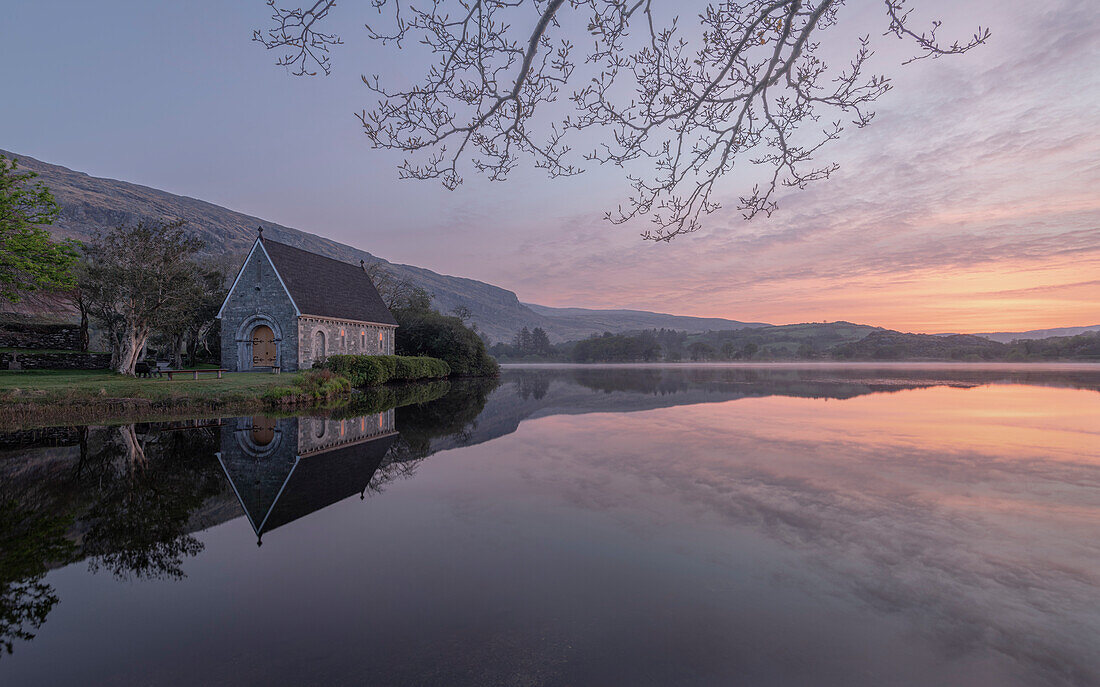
(263, 346)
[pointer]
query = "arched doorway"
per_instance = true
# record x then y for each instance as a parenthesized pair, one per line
(263, 347)
(318, 344)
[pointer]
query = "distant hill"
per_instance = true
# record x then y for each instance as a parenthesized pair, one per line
(892, 345)
(91, 203)
(1009, 337)
(587, 321)
(820, 341)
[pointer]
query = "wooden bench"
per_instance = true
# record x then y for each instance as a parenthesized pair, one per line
(194, 373)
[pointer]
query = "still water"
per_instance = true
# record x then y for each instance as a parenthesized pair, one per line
(904, 525)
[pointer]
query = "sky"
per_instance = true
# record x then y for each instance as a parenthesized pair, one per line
(970, 204)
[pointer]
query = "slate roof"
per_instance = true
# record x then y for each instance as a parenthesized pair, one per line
(328, 288)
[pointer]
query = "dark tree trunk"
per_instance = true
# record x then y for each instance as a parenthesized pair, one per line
(83, 324)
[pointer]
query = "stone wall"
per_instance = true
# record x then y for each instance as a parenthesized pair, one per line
(259, 298)
(64, 337)
(341, 337)
(69, 360)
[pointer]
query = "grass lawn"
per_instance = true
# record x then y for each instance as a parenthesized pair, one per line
(54, 385)
(38, 397)
(32, 351)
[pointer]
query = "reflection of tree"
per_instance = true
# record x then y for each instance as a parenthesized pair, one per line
(147, 488)
(533, 383)
(29, 541)
(382, 398)
(452, 415)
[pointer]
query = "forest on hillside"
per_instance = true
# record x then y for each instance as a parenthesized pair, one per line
(811, 341)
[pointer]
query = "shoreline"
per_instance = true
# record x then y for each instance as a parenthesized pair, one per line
(1061, 366)
(33, 399)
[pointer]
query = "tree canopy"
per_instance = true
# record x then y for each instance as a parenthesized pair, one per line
(676, 104)
(29, 259)
(138, 279)
(424, 331)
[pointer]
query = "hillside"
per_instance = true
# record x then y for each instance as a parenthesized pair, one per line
(90, 203)
(892, 345)
(591, 321)
(1009, 337)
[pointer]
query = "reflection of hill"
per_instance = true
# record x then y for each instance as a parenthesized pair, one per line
(541, 391)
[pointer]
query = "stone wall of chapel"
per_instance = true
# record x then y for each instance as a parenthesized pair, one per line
(258, 298)
(341, 337)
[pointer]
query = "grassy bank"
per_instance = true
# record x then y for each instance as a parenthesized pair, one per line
(34, 398)
(38, 397)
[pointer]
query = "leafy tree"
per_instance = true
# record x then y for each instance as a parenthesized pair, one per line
(430, 333)
(619, 348)
(540, 342)
(29, 259)
(136, 280)
(463, 313)
(677, 104)
(700, 351)
(523, 341)
(189, 319)
(422, 330)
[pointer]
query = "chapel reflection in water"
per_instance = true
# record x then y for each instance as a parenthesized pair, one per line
(284, 469)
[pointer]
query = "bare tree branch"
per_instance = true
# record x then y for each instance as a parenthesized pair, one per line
(676, 109)
(294, 30)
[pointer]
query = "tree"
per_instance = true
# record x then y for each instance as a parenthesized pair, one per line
(462, 312)
(424, 331)
(675, 105)
(193, 313)
(135, 281)
(394, 290)
(522, 342)
(29, 259)
(540, 342)
(700, 351)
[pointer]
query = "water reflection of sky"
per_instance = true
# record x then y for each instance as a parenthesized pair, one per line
(931, 535)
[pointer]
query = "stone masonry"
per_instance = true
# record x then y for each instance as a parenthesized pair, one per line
(319, 338)
(259, 298)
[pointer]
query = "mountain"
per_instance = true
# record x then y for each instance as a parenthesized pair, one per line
(583, 321)
(92, 203)
(1009, 337)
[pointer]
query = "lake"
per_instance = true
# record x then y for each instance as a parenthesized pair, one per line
(618, 525)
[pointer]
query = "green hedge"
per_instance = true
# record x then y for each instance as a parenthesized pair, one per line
(372, 370)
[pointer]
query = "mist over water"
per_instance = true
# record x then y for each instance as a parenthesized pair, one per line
(688, 525)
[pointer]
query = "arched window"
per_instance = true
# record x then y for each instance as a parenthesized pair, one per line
(318, 344)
